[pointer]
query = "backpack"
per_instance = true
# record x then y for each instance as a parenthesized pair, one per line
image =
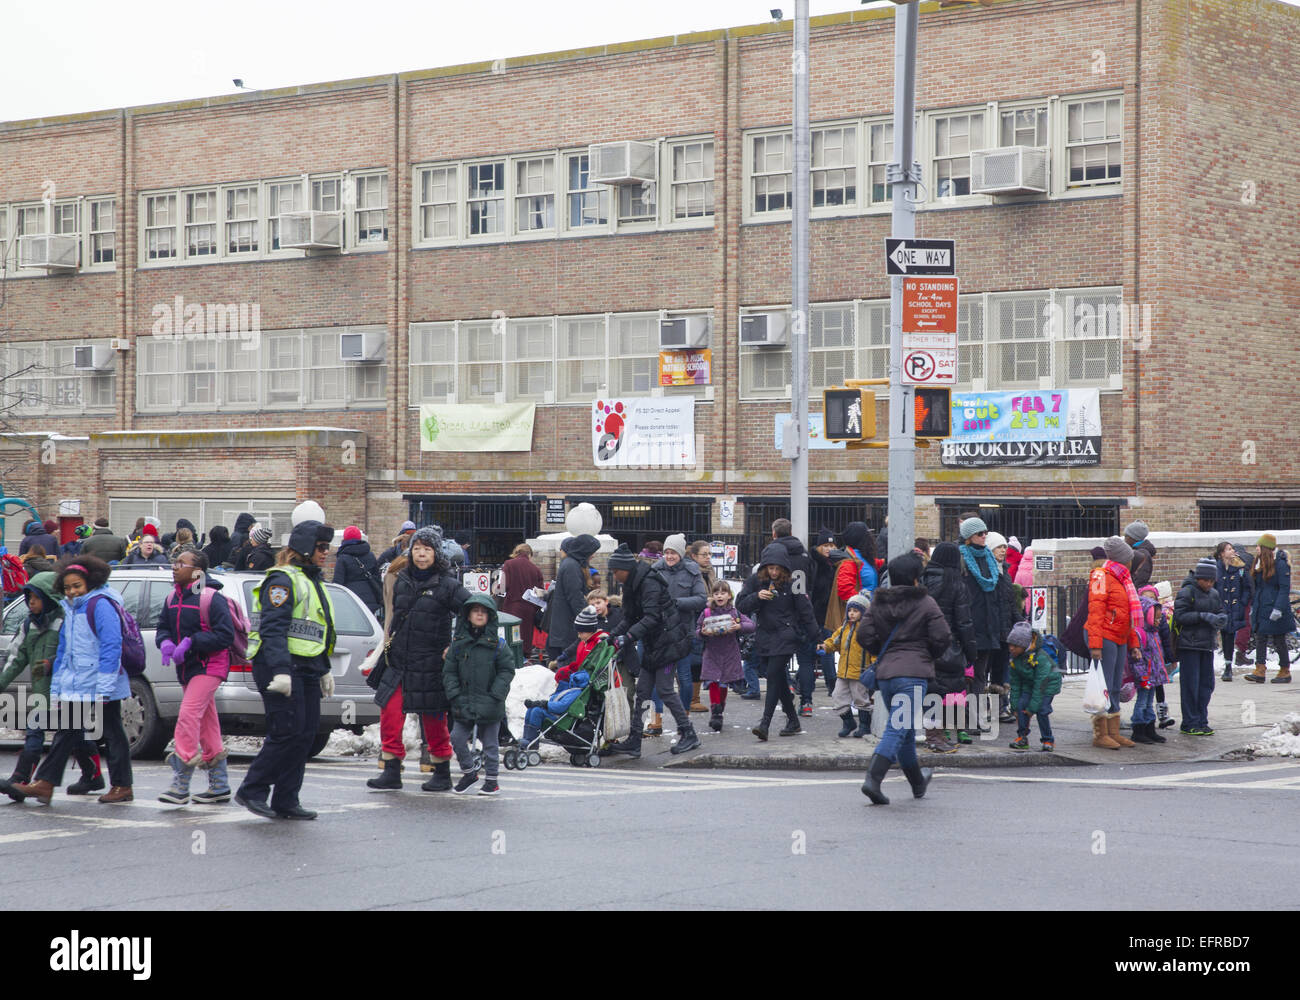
(133, 660)
(238, 618)
(15, 574)
(1053, 645)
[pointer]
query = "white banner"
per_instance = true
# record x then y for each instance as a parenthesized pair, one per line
(657, 433)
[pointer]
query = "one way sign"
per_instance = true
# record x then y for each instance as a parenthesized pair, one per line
(920, 256)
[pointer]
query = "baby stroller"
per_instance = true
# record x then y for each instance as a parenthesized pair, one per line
(573, 718)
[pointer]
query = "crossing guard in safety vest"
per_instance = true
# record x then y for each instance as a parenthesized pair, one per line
(290, 646)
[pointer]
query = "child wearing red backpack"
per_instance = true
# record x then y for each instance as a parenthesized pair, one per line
(196, 630)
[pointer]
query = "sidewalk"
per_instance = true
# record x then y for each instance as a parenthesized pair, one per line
(1239, 713)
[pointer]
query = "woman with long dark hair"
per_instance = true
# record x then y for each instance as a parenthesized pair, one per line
(1270, 612)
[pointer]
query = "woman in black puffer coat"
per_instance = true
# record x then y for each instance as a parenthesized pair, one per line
(420, 599)
(942, 580)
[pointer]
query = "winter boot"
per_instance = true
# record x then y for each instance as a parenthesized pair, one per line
(919, 778)
(218, 782)
(847, 719)
(441, 779)
(1227, 671)
(715, 718)
(875, 774)
(687, 739)
(761, 729)
(696, 704)
(117, 794)
(1100, 735)
(1162, 712)
(631, 747)
(182, 772)
(41, 791)
(791, 727)
(656, 727)
(92, 778)
(24, 768)
(1112, 728)
(935, 743)
(1240, 658)
(1140, 733)
(1283, 676)
(1153, 734)
(1257, 676)
(392, 776)
(864, 723)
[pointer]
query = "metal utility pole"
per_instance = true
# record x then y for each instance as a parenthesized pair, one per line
(904, 174)
(799, 277)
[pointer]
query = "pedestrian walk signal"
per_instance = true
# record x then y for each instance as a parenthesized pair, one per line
(933, 412)
(850, 414)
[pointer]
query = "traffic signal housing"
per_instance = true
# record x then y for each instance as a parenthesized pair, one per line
(933, 412)
(850, 414)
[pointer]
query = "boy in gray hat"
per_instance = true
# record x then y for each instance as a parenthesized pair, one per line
(1035, 681)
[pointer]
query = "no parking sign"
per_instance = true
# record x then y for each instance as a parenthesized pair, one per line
(478, 582)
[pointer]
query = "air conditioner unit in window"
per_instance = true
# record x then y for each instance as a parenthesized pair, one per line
(54, 253)
(771, 329)
(362, 345)
(311, 231)
(683, 332)
(1009, 170)
(621, 162)
(92, 358)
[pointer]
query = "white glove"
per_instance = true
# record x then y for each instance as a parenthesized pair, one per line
(1275, 616)
(281, 684)
(327, 685)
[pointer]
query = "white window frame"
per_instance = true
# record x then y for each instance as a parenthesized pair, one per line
(531, 195)
(452, 173)
(565, 359)
(415, 394)
(88, 262)
(540, 358)
(851, 156)
(19, 228)
(752, 175)
(273, 207)
(976, 140)
(44, 373)
(603, 194)
(201, 210)
(1062, 146)
(352, 208)
(504, 196)
(707, 180)
(230, 199)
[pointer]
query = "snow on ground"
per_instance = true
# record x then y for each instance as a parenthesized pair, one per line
(1283, 740)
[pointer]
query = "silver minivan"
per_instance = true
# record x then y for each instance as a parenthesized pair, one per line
(149, 715)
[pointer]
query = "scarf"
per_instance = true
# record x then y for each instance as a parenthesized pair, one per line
(1120, 573)
(987, 583)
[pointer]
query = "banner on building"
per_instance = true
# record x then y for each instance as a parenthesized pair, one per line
(816, 433)
(1073, 452)
(1052, 427)
(644, 433)
(685, 367)
(477, 427)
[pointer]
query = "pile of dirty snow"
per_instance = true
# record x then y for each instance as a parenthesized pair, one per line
(1283, 740)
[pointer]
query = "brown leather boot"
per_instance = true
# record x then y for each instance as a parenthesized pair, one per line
(1100, 735)
(38, 790)
(1283, 676)
(1112, 729)
(696, 704)
(118, 793)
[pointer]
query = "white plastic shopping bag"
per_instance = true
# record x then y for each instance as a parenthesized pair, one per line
(1096, 696)
(618, 715)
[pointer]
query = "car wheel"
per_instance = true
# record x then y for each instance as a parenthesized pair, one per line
(318, 744)
(145, 732)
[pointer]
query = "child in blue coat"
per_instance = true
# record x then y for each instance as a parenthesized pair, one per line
(1035, 681)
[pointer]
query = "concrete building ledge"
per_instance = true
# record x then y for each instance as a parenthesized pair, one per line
(243, 437)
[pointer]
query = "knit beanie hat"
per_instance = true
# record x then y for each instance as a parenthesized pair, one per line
(406, 526)
(859, 602)
(587, 620)
(82, 531)
(1206, 569)
(1020, 635)
(1137, 531)
(149, 530)
(1117, 550)
(1163, 590)
(946, 555)
(994, 540)
(677, 543)
(1097, 552)
(855, 535)
(622, 558)
(971, 526)
(308, 510)
(260, 533)
(429, 536)
(1267, 541)
(1014, 543)
(351, 533)
(50, 526)
(823, 537)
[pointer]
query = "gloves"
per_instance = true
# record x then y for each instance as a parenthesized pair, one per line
(281, 684)
(619, 642)
(327, 685)
(1219, 621)
(1275, 615)
(182, 650)
(168, 649)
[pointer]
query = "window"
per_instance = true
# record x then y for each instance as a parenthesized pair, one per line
(479, 357)
(371, 213)
(433, 363)
(198, 372)
(4, 239)
(438, 203)
(636, 203)
(160, 227)
(634, 365)
(281, 199)
(326, 194)
(772, 166)
(954, 136)
(486, 198)
(327, 379)
(64, 220)
(970, 339)
(1092, 141)
(201, 224)
(834, 171)
(692, 195)
(875, 340)
(103, 235)
(242, 217)
(588, 203)
(40, 379)
(206, 513)
(531, 369)
(534, 194)
(830, 346)
(240, 373)
(1018, 344)
(283, 367)
(1023, 127)
(582, 358)
(1091, 337)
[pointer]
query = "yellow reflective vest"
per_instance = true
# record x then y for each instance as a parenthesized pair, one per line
(310, 634)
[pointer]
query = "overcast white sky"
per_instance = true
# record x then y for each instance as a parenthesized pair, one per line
(87, 55)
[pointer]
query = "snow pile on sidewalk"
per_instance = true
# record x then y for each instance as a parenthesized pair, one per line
(1283, 740)
(532, 682)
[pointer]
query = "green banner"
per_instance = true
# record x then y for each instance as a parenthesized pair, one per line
(477, 427)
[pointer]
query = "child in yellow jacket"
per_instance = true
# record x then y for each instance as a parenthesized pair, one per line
(850, 693)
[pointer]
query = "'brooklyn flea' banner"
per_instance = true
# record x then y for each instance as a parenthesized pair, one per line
(655, 433)
(1072, 452)
(1053, 427)
(477, 427)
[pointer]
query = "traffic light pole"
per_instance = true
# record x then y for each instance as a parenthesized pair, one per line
(799, 278)
(904, 174)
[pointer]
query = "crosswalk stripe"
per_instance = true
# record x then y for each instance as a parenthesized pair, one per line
(1216, 773)
(18, 838)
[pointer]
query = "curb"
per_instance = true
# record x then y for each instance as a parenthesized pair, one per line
(860, 762)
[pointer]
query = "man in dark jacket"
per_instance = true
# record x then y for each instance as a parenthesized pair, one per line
(104, 544)
(1198, 610)
(942, 580)
(34, 533)
(356, 568)
(650, 617)
(906, 630)
(218, 549)
(826, 558)
(803, 580)
(1144, 553)
(400, 543)
(569, 595)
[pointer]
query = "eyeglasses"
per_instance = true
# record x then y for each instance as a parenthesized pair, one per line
(322, 546)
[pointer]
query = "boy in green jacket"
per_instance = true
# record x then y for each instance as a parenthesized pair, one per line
(476, 676)
(34, 646)
(1034, 683)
